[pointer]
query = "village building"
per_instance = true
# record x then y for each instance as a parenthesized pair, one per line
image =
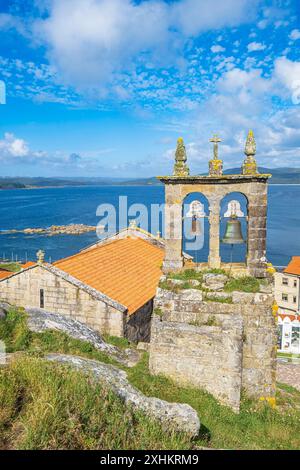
(109, 286)
(287, 296)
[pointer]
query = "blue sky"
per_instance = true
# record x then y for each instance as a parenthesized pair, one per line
(105, 87)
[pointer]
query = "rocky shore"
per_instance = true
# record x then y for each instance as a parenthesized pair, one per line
(72, 229)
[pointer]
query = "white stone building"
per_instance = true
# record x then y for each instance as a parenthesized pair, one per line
(287, 296)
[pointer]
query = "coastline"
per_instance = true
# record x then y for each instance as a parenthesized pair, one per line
(120, 185)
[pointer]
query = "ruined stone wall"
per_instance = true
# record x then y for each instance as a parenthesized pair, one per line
(214, 345)
(61, 297)
(207, 356)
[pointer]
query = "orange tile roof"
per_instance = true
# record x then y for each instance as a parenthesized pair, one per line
(28, 264)
(4, 274)
(126, 270)
(294, 266)
(291, 317)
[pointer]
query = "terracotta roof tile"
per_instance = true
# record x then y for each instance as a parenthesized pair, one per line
(4, 274)
(294, 266)
(28, 264)
(126, 270)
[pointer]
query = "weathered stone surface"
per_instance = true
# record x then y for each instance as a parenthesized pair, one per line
(193, 295)
(266, 288)
(207, 356)
(215, 281)
(179, 350)
(219, 295)
(248, 298)
(141, 346)
(211, 278)
(179, 416)
(39, 320)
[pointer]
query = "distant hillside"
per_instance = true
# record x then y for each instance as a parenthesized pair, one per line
(40, 182)
(279, 175)
(283, 175)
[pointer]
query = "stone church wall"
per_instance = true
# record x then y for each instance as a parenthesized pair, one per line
(60, 296)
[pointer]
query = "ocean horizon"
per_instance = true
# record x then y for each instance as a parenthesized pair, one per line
(43, 207)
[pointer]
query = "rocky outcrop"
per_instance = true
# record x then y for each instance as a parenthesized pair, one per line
(180, 417)
(40, 320)
(72, 229)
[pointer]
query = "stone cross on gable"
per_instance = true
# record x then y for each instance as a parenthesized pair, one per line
(216, 140)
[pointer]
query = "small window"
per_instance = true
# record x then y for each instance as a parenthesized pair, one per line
(285, 297)
(42, 302)
(285, 281)
(295, 283)
(295, 299)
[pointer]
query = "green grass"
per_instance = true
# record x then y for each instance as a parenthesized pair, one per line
(46, 406)
(121, 343)
(13, 267)
(256, 427)
(288, 355)
(187, 274)
(17, 337)
(42, 406)
(243, 284)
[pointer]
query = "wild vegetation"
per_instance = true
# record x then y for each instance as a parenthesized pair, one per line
(46, 406)
(244, 284)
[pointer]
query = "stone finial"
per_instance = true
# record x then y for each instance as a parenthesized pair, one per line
(216, 164)
(40, 256)
(250, 147)
(180, 167)
(132, 224)
(250, 165)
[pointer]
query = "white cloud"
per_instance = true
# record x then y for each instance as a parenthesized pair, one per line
(217, 48)
(294, 35)
(8, 21)
(16, 150)
(91, 41)
(195, 16)
(255, 46)
(287, 73)
(244, 86)
(11, 147)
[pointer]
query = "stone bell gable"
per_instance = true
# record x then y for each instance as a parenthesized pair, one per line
(215, 187)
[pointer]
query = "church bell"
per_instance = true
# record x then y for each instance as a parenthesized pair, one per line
(196, 230)
(233, 233)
